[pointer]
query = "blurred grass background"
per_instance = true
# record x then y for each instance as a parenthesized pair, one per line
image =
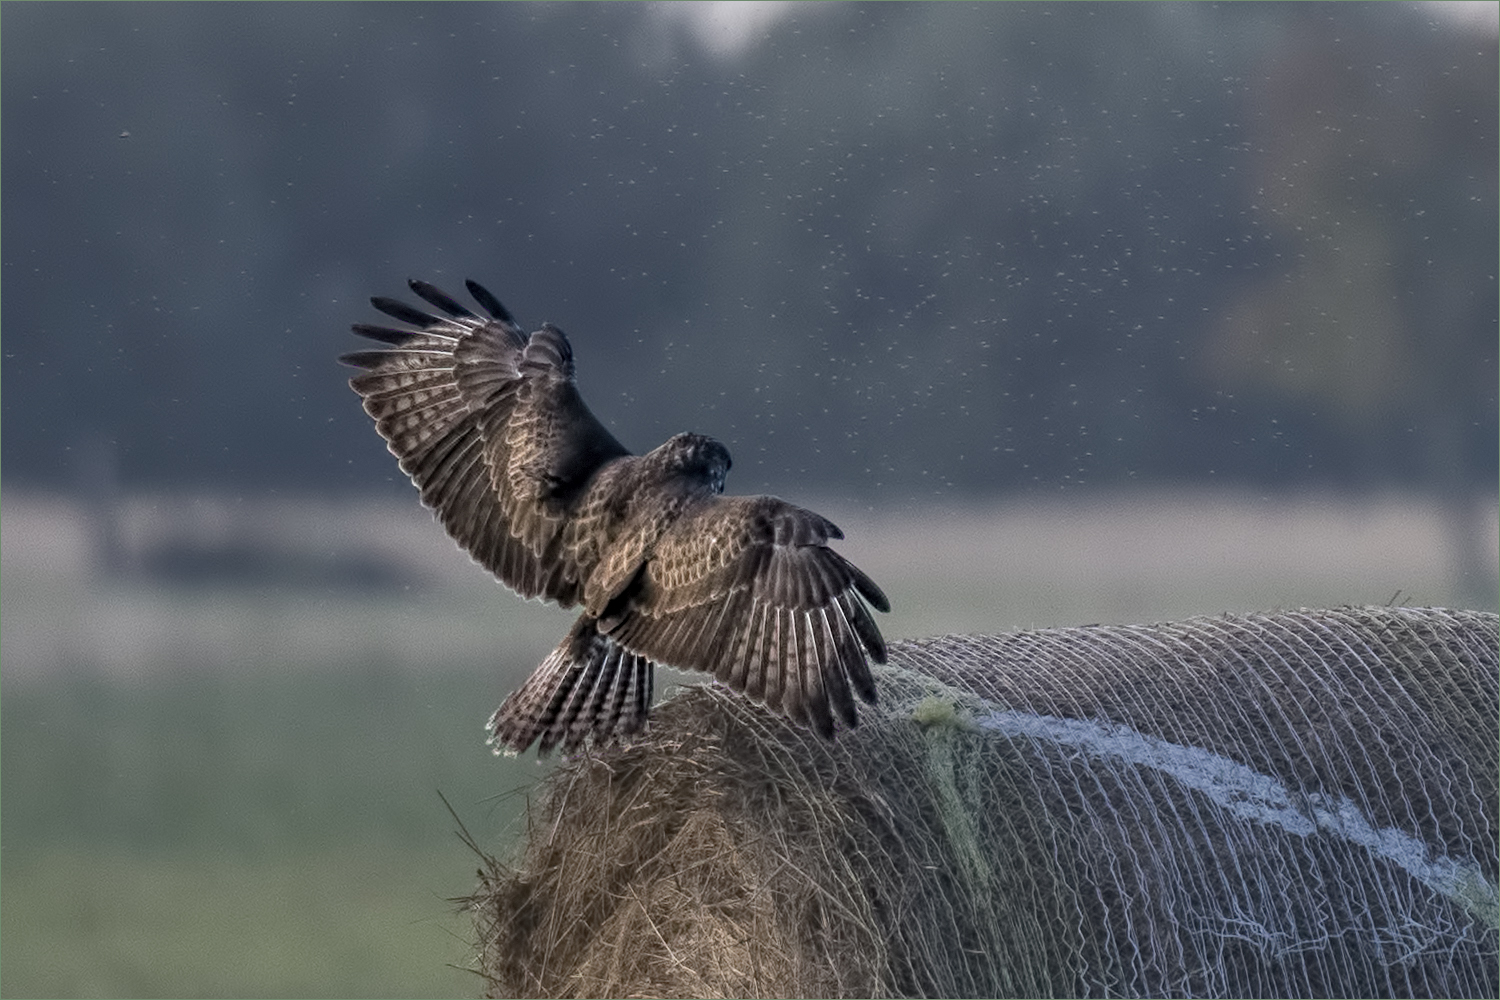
(272, 834)
(226, 723)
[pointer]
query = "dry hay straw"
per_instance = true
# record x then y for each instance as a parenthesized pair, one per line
(1290, 804)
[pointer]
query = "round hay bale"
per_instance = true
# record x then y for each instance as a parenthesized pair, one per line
(1299, 803)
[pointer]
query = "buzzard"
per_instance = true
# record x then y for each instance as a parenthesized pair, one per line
(489, 425)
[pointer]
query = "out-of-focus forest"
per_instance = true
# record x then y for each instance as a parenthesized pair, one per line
(1065, 312)
(879, 249)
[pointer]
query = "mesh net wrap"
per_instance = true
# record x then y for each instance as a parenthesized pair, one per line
(1298, 803)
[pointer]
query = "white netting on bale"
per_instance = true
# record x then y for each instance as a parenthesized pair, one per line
(1289, 804)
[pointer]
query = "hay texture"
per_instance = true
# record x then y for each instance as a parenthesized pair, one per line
(1300, 803)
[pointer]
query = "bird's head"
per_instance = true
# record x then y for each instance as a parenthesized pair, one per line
(697, 457)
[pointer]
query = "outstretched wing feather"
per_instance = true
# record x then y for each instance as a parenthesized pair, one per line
(490, 304)
(441, 299)
(746, 588)
(490, 427)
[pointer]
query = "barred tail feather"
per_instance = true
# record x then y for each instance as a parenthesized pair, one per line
(588, 686)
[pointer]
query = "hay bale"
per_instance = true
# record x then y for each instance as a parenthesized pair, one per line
(1289, 804)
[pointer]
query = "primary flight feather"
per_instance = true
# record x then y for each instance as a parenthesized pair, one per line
(489, 425)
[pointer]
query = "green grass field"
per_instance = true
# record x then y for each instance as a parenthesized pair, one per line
(263, 836)
(233, 789)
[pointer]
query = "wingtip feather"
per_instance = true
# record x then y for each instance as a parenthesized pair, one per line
(396, 309)
(488, 302)
(437, 297)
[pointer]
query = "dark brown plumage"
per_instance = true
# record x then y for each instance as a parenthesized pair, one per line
(489, 425)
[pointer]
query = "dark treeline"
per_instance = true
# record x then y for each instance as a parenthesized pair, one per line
(883, 250)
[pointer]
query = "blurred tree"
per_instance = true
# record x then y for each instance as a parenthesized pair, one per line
(1379, 177)
(901, 248)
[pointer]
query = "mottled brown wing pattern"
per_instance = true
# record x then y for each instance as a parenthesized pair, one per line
(490, 427)
(747, 589)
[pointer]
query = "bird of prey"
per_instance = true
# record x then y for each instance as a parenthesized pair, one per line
(489, 424)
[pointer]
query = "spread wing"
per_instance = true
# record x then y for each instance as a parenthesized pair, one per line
(489, 425)
(747, 589)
